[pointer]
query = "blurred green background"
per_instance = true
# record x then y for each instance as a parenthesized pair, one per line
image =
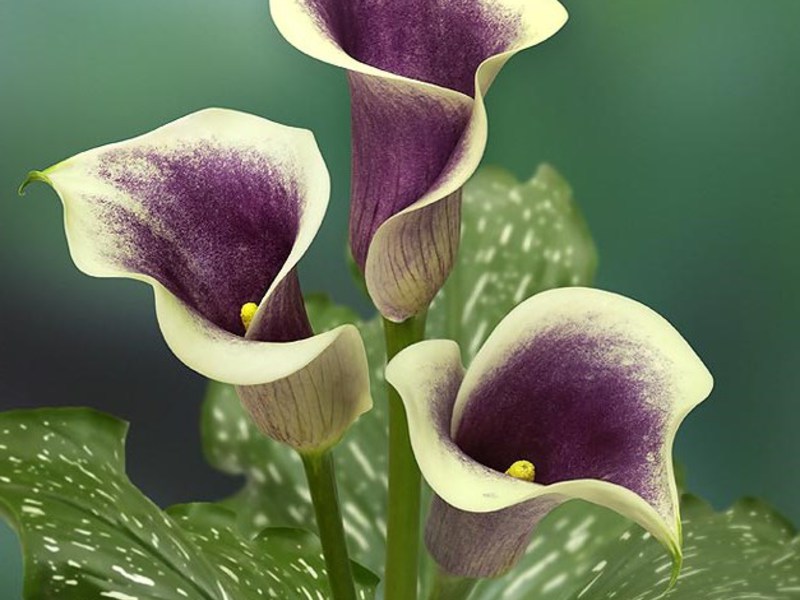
(677, 122)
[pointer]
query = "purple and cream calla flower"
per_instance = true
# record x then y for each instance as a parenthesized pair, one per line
(214, 211)
(418, 72)
(586, 386)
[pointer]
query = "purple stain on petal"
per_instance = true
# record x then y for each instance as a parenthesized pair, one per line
(437, 41)
(400, 149)
(404, 137)
(213, 224)
(285, 318)
(575, 405)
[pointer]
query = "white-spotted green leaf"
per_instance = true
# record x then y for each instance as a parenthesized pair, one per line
(517, 239)
(275, 555)
(275, 493)
(88, 532)
(584, 552)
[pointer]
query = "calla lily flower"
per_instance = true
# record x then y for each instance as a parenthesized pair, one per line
(214, 211)
(584, 388)
(418, 73)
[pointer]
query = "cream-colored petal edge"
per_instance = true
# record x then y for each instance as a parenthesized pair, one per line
(427, 376)
(312, 408)
(387, 281)
(198, 343)
(597, 311)
(290, 147)
(228, 358)
(688, 381)
(541, 19)
(380, 274)
(423, 375)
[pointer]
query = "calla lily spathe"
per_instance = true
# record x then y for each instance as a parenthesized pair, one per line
(214, 211)
(418, 71)
(588, 386)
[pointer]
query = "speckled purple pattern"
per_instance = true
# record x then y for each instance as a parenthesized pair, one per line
(400, 149)
(436, 41)
(212, 224)
(564, 402)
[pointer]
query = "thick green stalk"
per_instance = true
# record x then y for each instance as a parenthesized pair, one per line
(403, 515)
(451, 587)
(322, 484)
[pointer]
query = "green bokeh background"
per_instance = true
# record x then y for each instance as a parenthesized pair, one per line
(677, 122)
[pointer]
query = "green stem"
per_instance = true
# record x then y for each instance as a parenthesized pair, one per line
(403, 515)
(454, 308)
(451, 587)
(322, 484)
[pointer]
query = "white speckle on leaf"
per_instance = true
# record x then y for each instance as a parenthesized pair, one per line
(118, 596)
(140, 579)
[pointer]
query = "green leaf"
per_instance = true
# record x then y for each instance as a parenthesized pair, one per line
(275, 493)
(282, 552)
(325, 315)
(88, 532)
(517, 239)
(583, 551)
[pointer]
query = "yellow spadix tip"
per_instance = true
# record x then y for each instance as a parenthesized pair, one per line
(522, 469)
(247, 313)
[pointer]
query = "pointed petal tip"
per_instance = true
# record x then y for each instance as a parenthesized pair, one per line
(677, 564)
(30, 178)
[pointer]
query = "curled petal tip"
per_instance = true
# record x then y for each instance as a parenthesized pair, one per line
(30, 178)
(677, 563)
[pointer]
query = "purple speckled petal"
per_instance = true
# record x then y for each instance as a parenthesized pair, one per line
(210, 206)
(214, 211)
(438, 42)
(282, 317)
(586, 385)
(212, 222)
(589, 386)
(578, 404)
(472, 502)
(418, 72)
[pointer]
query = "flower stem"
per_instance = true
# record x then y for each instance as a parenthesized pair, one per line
(322, 484)
(451, 587)
(403, 518)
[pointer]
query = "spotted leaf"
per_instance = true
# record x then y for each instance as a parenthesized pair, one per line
(517, 239)
(88, 532)
(277, 555)
(588, 553)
